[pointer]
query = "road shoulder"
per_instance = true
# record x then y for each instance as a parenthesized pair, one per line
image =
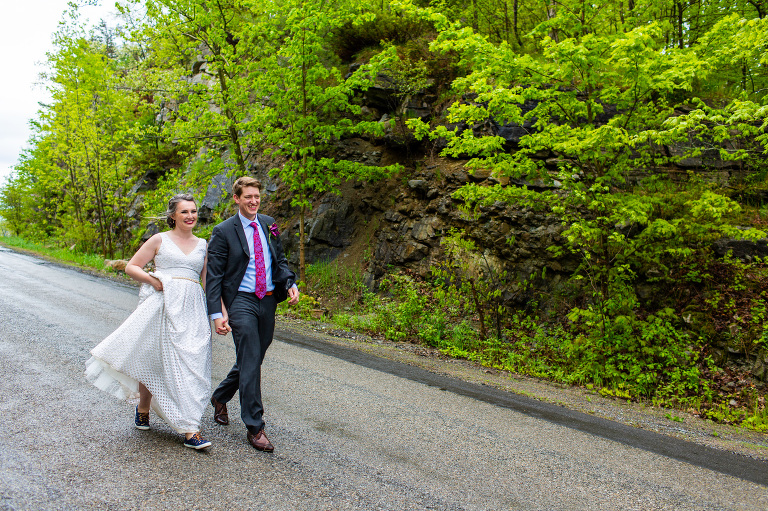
(672, 423)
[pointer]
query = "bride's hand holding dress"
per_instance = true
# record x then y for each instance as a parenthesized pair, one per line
(142, 257)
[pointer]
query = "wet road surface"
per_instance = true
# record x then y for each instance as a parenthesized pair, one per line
(350, 432)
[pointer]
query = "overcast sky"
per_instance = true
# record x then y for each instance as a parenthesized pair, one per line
(26, 29)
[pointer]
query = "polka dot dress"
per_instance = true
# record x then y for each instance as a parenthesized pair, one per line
(164, 344)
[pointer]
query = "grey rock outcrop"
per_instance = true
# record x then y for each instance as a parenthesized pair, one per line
(329, 230)
(412, 218)
(745, 250)
(218, 191)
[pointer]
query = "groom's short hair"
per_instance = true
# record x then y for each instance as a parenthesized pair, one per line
(242, 182)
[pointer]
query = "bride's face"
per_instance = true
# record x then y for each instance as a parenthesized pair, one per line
(185, 215)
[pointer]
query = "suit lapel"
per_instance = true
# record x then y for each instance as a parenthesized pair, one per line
(265, 228)
(238, 225)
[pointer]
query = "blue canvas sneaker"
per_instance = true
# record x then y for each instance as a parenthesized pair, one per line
(196, 441)
(141, 420)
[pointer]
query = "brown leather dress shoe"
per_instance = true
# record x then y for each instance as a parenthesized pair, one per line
(220, 413)
(260, 442)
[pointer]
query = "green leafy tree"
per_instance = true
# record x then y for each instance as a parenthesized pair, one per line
(308, 105)
(86, 141)
(77, 173)
(198, 63)
(598, 107)
(466, 273)
(14, 205)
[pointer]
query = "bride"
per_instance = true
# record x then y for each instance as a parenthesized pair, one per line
(160, 357)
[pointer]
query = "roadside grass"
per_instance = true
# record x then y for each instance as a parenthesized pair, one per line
(92, 261)
(341, 283)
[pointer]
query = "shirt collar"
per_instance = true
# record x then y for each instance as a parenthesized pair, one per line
(245, 221)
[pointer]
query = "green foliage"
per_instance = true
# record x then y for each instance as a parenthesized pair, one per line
(601, 101)
(674, 418)
(214, 106)
(640, 358)
(335, 281)
(76, 177)
(15, 204)
(406, 310)
(465, 273)
(725, 299)
(68, 255)
(330, 286)
(373, 24)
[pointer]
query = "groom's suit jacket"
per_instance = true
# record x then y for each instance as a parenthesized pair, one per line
(228, 257)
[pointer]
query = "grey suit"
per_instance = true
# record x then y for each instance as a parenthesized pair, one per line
(252, 319)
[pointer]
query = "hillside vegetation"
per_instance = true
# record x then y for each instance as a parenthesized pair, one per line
(637, 131)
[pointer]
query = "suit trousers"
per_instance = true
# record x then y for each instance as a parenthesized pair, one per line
(253, 325)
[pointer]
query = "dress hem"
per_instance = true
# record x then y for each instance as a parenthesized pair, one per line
(108, 379)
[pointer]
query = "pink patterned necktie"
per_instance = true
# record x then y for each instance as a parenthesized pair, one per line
(258, 256)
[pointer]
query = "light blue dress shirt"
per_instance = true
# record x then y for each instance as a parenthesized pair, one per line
(249, 279)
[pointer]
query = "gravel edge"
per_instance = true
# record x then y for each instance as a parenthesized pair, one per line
(670, 422)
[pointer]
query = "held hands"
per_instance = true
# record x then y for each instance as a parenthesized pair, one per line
(221, 325)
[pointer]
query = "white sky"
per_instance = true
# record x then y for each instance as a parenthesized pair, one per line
(26, 30)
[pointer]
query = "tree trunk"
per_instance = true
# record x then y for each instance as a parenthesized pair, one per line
(621, 16)
(515, 24)
(758, 5)
(231, 124)
(744, 76)
(303, 170)
(479, 309)
(302, 272)
(551, 13)
(506, 22)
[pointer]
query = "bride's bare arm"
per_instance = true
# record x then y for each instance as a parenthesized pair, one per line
(135, 267)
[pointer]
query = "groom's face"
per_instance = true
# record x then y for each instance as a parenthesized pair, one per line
(248, 201)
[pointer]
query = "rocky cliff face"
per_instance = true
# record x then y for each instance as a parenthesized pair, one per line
(401, 222)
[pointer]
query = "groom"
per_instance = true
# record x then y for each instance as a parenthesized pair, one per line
(247, 276)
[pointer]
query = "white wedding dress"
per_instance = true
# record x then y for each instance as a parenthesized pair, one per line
(164, 344)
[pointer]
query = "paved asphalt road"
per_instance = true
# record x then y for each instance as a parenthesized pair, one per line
(351, 433)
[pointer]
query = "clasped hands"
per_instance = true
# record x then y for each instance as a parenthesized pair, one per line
(221, 325)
